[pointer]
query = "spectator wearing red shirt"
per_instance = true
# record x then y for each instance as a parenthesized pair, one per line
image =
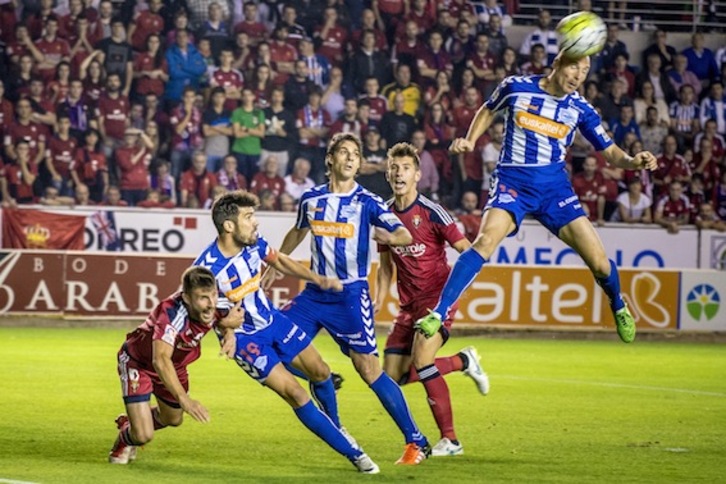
(101, 28)
(37, 21)
(49, 50)
(423, 16)
(461, 43)
(537, 63)
(145, 23)
(441, 93)
(671, 166)
(112, 114)
(438, 138)
(282, 55)
(268, 178)
(197, 182)
(469, 215)
(589, 186)
(25, 129)
(333, 38)
(409, 48)
(482, 62)
(89, 166)
(718, 145)
(151, 70)
(58, 88)
(348, 121)
(256, 31)
(229, 177)
(133, 161)
(462, 115)
(67, 23)
(313, 124)
(83, 196)
(43, 108)
(378, 104)
(705, 163)
(21, 175)
(186, 121)
(674, 209)
(369, 23)
(18, 47)
(154, 199)
(60, 154)
(6, 110)
(82, 45)
(434, 59)
(228, 78)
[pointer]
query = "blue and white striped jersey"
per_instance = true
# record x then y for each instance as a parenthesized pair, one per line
(238, 278)
(538, 127)
(340, 226)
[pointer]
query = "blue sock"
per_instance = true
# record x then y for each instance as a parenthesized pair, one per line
(296, 372)
(395, 404)
(465, 270)
(324, 395)
(323, 427)
(611, 286)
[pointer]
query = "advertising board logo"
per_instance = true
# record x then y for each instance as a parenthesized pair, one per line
(703, 301)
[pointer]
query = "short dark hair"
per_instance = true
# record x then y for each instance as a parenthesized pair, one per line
(339, 138)
(197, 277)
(400, 150)
(227, 206)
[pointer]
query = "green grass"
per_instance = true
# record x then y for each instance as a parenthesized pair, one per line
(558, 411)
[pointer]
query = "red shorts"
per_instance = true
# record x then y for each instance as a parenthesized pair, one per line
(137, 383)
(400, 337)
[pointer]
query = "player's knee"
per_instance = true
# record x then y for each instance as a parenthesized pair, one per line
(296, 395)
(484, 244)
(319, 372)
(174, 420)
(142, 436)
(601, 267)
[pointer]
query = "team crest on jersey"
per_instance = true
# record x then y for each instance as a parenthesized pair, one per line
(416, 221)
(566, 116)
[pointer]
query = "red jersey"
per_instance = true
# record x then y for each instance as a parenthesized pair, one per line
(147, 23)
(115, 115)
(255, 30)
(391, 7)
(422, 266)
(168, 322)
(61, 154)
(461, 118)
(588, 191)
(711, 172)
(262, 182)
(145, 85)
(199, 185)
(333, 45)
(18, 188)
(32, 132)
(673, 209)
(53, 50)
(281, 52)
(87, 165)
(307, 118)
(379, 106)
(7, 115)
(133, 176)
(232, 78)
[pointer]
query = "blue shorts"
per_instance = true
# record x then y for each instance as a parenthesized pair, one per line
(280, 342)
(346, 315)
(543, 192)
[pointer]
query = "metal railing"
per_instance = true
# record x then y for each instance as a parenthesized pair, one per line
(669, 15)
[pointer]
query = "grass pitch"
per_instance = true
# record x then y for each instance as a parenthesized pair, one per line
(558, 411)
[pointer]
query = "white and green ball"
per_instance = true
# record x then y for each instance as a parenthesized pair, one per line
(582, 34)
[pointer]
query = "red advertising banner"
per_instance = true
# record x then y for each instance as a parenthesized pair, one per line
(36, 229)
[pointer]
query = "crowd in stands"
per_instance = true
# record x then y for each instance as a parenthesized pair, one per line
(155, 103)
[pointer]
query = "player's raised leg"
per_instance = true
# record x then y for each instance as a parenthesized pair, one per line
(496, 225)
(311, 364)
(284, 384)
(582, 237)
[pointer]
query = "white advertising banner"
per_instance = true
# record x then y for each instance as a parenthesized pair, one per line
(702, 296)
(713, 250)
(180, 231)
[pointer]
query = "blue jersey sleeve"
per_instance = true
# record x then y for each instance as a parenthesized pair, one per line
(498, 100)
(302, 209)
(381, 216)
(590, 126)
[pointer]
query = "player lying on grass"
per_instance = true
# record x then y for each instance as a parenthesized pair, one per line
(267, 339)
(154, 359)
(541, 115)
(421, 270)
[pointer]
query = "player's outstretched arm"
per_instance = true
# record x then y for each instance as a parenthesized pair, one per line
(643, 160)
(165, 369)
(292, 239)
(479, 125)
(286, 265)
(400, 236)
(461, 245)
(234, 318)
(383, 280)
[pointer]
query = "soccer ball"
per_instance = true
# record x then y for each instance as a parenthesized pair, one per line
(582, 34)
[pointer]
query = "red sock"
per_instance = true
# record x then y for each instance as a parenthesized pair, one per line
(155, 416)
(445, 366)
(439, 400)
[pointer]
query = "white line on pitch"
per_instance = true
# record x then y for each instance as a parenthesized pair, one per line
(11, 481)
(612, 385)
